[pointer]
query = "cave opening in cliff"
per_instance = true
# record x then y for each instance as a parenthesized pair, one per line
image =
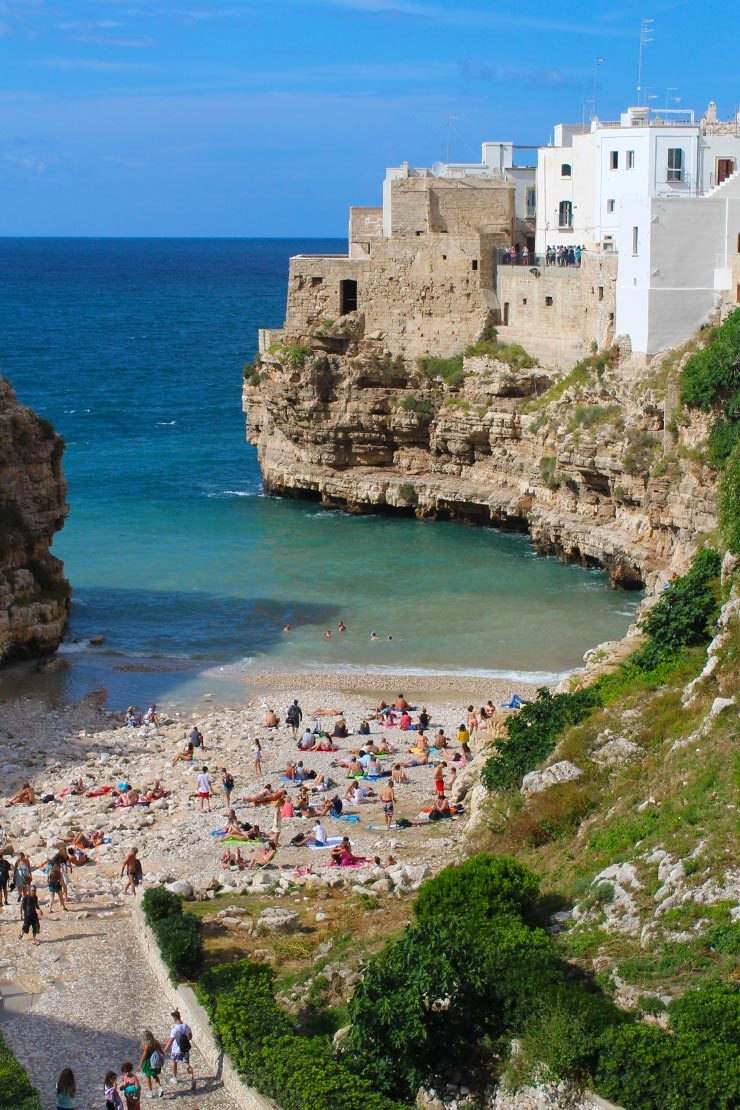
(347, 296)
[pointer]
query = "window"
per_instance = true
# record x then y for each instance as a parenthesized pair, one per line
(610, 206)
(347, 297)
(524, 300)
(675, 164)
(635, 235)
(548, 302)
(630, 159)
(531, 202)
(613, 159)
(565, 213)
(565, 169)
(475, 263)
(315, 280)
(601, 292)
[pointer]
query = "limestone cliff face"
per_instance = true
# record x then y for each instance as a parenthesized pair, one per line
(34, 594)
(584, 464)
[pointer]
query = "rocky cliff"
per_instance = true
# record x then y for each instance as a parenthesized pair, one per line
(34, 594)
(596, 465)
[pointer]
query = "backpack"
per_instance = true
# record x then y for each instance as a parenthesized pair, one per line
(183, 1043)
(292, 716)
(228, 783)
(156, 1059)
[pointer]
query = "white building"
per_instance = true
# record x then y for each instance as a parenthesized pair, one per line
(663, 191)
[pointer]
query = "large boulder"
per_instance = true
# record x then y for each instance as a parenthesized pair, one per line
(537, 781)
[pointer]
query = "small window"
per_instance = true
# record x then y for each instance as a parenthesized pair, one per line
(601, 292)
(675, 164)
(524, 300)
(548, 302)
(531, 202)
(635, 240)
(444, 257)
(565, 213)
(347, 297)
(610, 206)
(630, 159)
(566, 169)
(315, 280)
(418, 233)
(475, 263)
(613, 159)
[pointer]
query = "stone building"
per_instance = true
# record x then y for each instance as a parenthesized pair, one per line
(419, 272)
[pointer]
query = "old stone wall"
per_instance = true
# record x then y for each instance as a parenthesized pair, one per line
(34, 594)
(431, 295)
(455, 207)
(573, 304)
(364, 224)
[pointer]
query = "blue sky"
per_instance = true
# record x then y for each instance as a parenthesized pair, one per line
(271, 117)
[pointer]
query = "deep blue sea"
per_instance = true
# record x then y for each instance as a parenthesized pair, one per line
(134, 349)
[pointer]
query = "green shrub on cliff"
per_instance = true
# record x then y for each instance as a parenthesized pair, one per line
(450, 370)
(729, 502)
(179, 935)
(712, 376)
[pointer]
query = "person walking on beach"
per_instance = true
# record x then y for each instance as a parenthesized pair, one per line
(55, 882)
(30, 914)
(294, 716)
(152, 1061)
(227, 781)
(257, 756)
(178, 1046)
(22, 875)
(204, 790)
(4, 879)
(134, 871)
(66, 1090)
(277, 819)
(388, 798)
(130, 1086)
(113, 1097)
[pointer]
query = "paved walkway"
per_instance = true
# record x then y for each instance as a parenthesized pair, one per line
(81, 999)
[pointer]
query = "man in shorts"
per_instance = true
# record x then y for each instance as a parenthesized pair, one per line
(204, 790)
(4, 879)
(388, 798)
(178, 1046)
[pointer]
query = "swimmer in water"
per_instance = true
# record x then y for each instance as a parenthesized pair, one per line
(327, 634)
(287, 628)
(342, 627)
(390, 637)
(373, 635)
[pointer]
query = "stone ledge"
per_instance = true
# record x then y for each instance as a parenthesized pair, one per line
(182, 998)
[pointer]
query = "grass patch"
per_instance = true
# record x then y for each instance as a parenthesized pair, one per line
(450, 370)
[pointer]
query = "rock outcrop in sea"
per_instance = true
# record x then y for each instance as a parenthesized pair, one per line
(591, 462)
(34, 594)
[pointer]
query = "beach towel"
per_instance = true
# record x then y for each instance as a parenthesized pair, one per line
(98, 791)
(331, 843)
(345, 817)
(515, 703)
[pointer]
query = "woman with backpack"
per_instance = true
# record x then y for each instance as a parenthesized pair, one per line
(152, 1060)
(129, 1086)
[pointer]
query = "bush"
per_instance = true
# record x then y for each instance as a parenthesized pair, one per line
(683, 612)
(513, 354)
(178, 934)
(407, 492)
(180, 944)
(449, 369)
(423, 1005)
(483, 887)
(299, 1073)
(562, 1040)
(421, 405)
(533, 733)
(729, 502)
(159, 903)
(16, 1091)
(712, 375)
(694, 1067)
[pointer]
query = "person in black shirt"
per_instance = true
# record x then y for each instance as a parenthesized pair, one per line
(4, 879)
(30, 912)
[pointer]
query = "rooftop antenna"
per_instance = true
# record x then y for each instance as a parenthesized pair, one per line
(449, 137)
(597, 62)
(646, 30)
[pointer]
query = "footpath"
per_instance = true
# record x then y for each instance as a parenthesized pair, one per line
(82, 998)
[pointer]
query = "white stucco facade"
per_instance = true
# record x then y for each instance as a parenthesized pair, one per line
(647, 188)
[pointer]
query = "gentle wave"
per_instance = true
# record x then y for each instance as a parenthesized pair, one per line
(164, 423)
(222, 493)
(74, 647)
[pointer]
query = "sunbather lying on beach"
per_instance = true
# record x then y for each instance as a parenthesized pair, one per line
(77, 787)
(398, 775)
(155, 792)
(343, 856)
(127, 798)
(26, 796)
(263, 855)
(323, 743)
(358, 794)
(324, 712)
(86, 840)
(264, 795)
(229, 858)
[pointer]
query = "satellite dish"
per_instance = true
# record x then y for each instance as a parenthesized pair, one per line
(439, 169)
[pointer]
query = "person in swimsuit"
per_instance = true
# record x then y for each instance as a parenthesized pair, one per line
(134, 873)
(30, 914)
(388, 798)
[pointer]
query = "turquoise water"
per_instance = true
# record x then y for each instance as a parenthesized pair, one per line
(134, 349)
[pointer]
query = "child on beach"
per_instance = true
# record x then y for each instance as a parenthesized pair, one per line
(130, 1086)
(113, 1099)
(227, 781)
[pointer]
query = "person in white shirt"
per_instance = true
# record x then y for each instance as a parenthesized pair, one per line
(178, 1046)
(204, 790)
